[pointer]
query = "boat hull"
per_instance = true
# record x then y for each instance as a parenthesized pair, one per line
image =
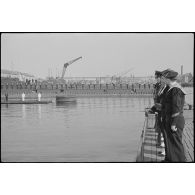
(62, 99)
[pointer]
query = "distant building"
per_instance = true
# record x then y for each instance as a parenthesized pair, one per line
(102, 80)
(16, 74)
(186, 78)
(9, 74)
(26, 76)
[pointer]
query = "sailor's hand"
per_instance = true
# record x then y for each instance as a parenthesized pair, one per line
(158, 104)
(173, 128)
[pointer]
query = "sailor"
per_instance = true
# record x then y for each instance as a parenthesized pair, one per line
(154, 109)
(6, 97)
(161, 106)
(23, 96)
(159, 123)
(39, 96)
(173, 117)
(158, 91)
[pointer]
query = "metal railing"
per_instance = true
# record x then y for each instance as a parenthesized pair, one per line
(140, 153)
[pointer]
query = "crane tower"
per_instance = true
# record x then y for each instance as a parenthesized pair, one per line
(67, 64)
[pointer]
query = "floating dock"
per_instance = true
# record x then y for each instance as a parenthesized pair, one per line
(149, 151)
(26, 102)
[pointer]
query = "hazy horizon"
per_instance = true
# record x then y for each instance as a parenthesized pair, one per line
(103, 54)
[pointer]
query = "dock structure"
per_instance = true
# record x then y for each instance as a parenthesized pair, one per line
(26, 102)
(148, 149)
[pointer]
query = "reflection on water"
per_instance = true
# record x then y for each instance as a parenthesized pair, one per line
(89, 130)
(39, 111)
(66, 104)
(23, 111)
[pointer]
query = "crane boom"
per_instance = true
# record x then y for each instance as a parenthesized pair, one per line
(123, 73)
(67, 64)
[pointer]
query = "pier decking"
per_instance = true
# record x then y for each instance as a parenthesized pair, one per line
(149, 151)
(188, 141)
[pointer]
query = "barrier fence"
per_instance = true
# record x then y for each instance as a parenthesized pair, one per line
(147, 88)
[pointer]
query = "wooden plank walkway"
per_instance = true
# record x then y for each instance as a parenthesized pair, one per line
(188, 141)
(149, 151)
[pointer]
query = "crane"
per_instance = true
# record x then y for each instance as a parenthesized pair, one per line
(67, 64)
(125, 72)
(117, 77)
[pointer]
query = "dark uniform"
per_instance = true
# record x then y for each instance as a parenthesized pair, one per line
(157, 87)
(173, 116)
(160, 119)
(163, 122)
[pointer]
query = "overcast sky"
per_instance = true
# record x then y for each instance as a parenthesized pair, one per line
(102, 53)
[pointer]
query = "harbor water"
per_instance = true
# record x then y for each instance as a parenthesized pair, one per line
(90, 130)
(96, 129)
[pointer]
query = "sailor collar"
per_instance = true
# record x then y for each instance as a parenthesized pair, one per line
(177, 85)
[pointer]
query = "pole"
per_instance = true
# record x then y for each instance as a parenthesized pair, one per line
(182, 70)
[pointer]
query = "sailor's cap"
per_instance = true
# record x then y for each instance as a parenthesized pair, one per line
(158, 73)
(169, 74)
